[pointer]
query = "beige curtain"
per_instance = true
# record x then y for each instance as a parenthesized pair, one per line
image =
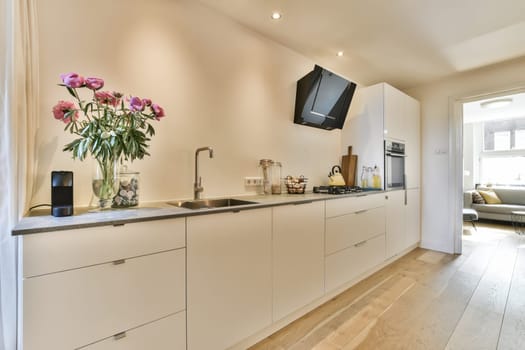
(18, 125)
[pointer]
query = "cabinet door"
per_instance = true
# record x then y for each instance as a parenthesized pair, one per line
(347, 230)
(298, 256)
(413, 144)
(229, 277)
(363, 129)
(70, 309)
(413, 217)
(348, 264)
(394, 113)
(168, 333)
(395, 223)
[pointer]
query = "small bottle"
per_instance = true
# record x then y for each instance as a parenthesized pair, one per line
(364, 177)
(376, 179)
(370, 177)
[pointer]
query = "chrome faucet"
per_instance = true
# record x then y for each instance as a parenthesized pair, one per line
(197, 185)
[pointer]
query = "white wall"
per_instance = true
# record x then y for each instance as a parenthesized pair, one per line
(221, 85)
(435, 103)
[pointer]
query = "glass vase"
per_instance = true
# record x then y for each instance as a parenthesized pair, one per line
(128, 188)
(105, 181)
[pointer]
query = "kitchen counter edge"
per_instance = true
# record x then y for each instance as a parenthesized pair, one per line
(159, 211)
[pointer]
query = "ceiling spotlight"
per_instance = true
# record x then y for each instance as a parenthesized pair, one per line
(340, 53)
(276, 15)
(498, 103)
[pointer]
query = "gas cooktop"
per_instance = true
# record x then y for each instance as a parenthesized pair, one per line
(337, 189)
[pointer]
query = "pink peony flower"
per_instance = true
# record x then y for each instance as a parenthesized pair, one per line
(63, 107)
(136, 104)
(107, 97)
(157, 110)
(72, 80)
(146, 101)
(94, 83)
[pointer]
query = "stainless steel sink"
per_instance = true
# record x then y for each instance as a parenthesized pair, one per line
(210, 203)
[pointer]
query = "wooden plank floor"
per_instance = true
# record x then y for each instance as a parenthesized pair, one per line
(426, 300)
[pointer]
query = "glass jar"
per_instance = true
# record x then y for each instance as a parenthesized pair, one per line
(276, 178)
(266, 167)
(128, 188)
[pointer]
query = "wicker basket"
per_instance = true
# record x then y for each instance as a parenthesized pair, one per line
(295, 185)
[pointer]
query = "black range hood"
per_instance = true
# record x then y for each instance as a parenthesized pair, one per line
(322, 99)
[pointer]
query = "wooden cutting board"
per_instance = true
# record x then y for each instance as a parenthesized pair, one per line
(349, 165)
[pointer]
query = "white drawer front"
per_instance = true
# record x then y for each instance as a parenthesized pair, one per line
(63, 250)
(337, 207)
(348, 264)
(165, 334)
(347, 230)
(70, 309)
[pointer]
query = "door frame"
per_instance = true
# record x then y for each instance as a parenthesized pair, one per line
(455, 174)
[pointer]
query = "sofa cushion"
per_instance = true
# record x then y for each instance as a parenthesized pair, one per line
(490, 197)
(477, 198)
(510, 195)
(498, 208)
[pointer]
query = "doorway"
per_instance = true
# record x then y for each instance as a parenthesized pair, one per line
(487, 142)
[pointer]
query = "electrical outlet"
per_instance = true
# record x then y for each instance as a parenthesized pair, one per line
(253, 181)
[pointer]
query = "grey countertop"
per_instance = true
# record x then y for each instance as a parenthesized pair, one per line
(42, 221)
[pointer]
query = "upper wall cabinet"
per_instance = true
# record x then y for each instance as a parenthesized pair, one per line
(382, 112)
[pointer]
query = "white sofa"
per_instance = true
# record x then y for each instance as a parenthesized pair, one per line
(512, 198)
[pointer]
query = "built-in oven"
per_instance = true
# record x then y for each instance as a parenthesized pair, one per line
(394, 165)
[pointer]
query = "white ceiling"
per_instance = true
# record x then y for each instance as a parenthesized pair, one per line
(474, 112)
(404, 42)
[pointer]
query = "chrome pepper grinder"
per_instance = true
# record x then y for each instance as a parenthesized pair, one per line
(266, 166)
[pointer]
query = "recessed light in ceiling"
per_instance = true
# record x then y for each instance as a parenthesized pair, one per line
(340, 53)
(276, 15)
(498, 103)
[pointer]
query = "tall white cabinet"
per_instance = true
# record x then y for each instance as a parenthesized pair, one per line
(381, 112)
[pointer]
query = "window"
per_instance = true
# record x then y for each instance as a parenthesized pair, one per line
(503, 170)
(519, 142)
(504, 135)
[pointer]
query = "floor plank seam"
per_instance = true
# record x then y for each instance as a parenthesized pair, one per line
(507, 299)
(339, 312)
(472, 294)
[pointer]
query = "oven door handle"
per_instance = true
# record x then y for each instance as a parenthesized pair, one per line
(400, 155)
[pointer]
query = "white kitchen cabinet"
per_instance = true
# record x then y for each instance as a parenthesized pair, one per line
(395, 223)
(412, 215)
(298, 256)
(347, 230)
(229, 277)
(84, 285)
(413, 142)
(383, 112)
(348, 264)
(69, 249)
(168, 333)
(394, 113)
(363, 129)
(354, 238)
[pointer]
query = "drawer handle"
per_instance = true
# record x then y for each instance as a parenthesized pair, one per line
(118, 262)
(361, 211)
(361, 195)
(119, 335)
(360, 244)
